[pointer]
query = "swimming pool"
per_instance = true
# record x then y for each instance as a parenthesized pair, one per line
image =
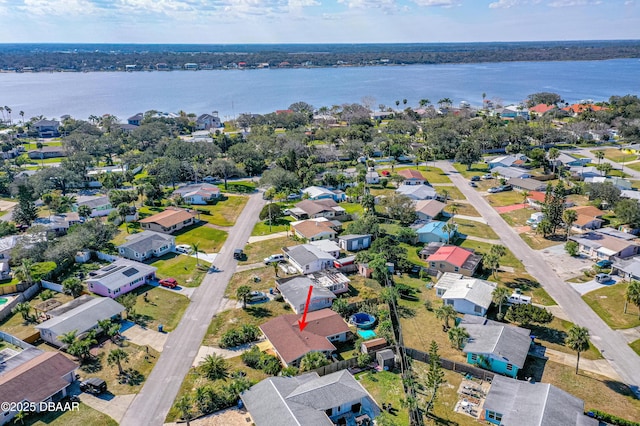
(367, 334)
(3, 300)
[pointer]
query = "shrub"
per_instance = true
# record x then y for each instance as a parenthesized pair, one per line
(256, 359)
(239, 336)
(364, 360)
(611, 419)
(572, 248)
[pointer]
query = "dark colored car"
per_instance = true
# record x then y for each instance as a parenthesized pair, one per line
(93, 385)
(603, 264)
(475, 178)
(238, 254)
(473, 184)
(169, 282)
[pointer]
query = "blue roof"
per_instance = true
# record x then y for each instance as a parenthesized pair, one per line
(435, 227)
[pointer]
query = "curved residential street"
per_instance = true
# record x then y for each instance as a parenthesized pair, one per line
(611, 344)
(155, 399)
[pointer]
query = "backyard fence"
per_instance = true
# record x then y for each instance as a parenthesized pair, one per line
(451, 365)
(105, 256)
(336, 366)
(14, 340)
(25, 296)
(52, 286)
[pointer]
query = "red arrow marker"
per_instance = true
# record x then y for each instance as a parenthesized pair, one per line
(303, 322)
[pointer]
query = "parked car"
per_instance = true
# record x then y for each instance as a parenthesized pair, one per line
(183, 248)
(487, 176)
(517, 298)
(257, 296)
(274, 258)
(475, 178)
(293, 197)
(493, 190)
(169, 282)
(473, 184)
(94, 386)
(603, 278)
(238, 254)
(506, 187)
(603, 264)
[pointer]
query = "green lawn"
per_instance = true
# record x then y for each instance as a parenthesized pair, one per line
(353, 208)
(182, 268)
(453, 193)
(163, 307)
(608, 303)
(83, 417)
(386, 387)
(225, 212)
(635, 346)
(431, 174)
(506, 198)
(541, 297)
(239, 187)
(538, 242)
(465, 209)
(261, 279)
(281, 225)
(33, 145)
(477, 229)
(256, 252)
(477, 169)
(517, 217)
(554, 335)
(210, 240)
(636, 167)
(615, 154)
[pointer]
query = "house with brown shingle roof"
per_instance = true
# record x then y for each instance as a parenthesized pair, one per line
(429, 209)
(314, 230)
(412, 177)
(169, 221)
(290, 344)
(588, 217)
(47, 377)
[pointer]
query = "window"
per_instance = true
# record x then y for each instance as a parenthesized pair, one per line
(474, 357)
(433, 264)
(477, 309)
(509, 367)
(492, 415)
(456, 269)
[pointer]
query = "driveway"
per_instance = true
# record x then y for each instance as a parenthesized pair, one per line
(584, 288)
(155, 399)
(113, 406)
(561, 263)
(146, 337)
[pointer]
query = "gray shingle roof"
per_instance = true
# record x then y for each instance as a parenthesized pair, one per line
(296, 289)
(94, 202)
(120, 271)
(540, 404)
(83, 317)
(147, 240)
(502, 341)
(306, 253)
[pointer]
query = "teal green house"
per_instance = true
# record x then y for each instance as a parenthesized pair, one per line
(496, 346)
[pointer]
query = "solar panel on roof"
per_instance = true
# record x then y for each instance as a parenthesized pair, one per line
(130, 272)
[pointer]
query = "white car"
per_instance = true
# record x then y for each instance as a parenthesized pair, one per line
(183, 248)
(274, 258)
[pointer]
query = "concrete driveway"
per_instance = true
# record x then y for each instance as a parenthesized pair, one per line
(113, 406)
(584, 288)
(565, 266)
(146, 337)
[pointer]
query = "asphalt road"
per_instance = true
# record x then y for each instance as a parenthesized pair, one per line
(611, 344)
(155, 399)
(588, 152)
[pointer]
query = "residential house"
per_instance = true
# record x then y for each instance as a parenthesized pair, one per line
(312, 230)
(511, 112)
(346, 264)
(59, 223)
(515, 402)
(135, 120)
(535, 199)
(327, 246)
(418, 192)
(601, 246)
(352, 242)
(169, 221)
(467, 295)
(332, 280)
(290, 343)
(47, 128)
(429, 209)
(628, 269)
(507, 161)
(576, 109)
(568, 161)
(307, 258)
(295, 291)
(434, 232)
(198, 193)
(540, 109)
(40, 379)
(527, 184)
(309, 399)
(511, 172)
(372, 177)
(99, 205)
(47, 152)
(80, 314)
(620, 183)
(632, 194)
(588, 217)
(147, 244)
(496, 346)
(412, 177)
(120, 277)
(443, 258)
(310, 209)
(585, 172)
(208, 121)
(319, 193)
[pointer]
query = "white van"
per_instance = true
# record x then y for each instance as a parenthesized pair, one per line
(274, 258)
(603, 278)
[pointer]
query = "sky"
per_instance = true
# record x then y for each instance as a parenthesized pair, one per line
(315, 21)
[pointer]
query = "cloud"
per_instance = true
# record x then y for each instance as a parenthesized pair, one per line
(440, 3)
(58, 7)
(503, 4)
(572, 3)
(386, 5)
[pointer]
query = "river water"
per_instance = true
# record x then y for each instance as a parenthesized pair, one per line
(232, 92)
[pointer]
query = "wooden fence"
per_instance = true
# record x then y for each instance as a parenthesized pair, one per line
(451, 365)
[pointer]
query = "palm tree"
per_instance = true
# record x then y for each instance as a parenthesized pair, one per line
(116, 357)
(457, 336)
(24, 309)
(424, 102)
(569, 216)
(104, 325)
(553, 154)
(195, 246)
(446, 313)
(599, 155)
(444, 194)
(453, 209)
(215, 367)
(20, 416)
(313, 360)
(68, 338)
(604, 168)
(632, 295)
(23, 272)
(22, 116)
(185, 407)
(73, 287)
(578, 340)
(84, 211)
(6, 108)
(204, 398)
(242, 293)
(500, 295)
(450, 229)
(123, 212)
(525, 195)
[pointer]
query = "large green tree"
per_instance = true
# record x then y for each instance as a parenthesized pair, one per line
(435, 377)
(578, 340)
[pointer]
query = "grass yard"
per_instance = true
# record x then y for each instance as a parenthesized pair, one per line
(182, 268)
(258, 251)
(517, 217)
(506, 198)
(238, 187)
(465, 209)
(477, 169)
(453, 193)
(15, 325)
(608, 303)
(615, 154)
(210, 240)
(225, 212)
(554, 334)
(385, 386)
(635, 346)
(538, 242)
(266, 280)
(361, 288)
(281, 225)
(598, 392)
(507, 260)
(477, 229)
(164, 307)
(541, 297)
(100, 368)
(84, 416)
(578, 200)
(412, 253)
(353, 208)
(636, 167)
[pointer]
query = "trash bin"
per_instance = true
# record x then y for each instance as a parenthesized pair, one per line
(160, 328)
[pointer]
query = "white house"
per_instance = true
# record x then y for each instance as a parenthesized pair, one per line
(511, 172)
(147, 244)
(308, 259)
(198, 193)
(120, 277)
(327, 246)
(418, 192)
(467, 295)
(295, 291)
(99, 205)
(372, 177)
(319, 193)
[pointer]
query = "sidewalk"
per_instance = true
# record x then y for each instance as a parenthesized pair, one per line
(473, 218)
(257, 238)
(597, 366)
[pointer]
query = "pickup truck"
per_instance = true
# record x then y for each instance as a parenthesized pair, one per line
(517, 298)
